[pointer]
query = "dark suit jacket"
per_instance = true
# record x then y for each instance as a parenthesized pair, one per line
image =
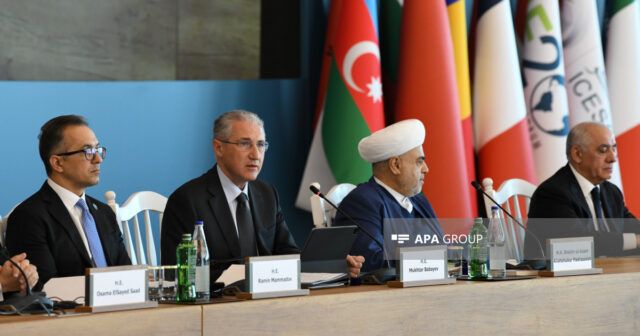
(560, 196)
(203, 199)
(42, 227)
(369, 204)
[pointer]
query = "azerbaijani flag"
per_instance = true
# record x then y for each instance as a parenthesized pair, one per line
(499, 117)
(623, 78)
(538, 27)
(350, 103)
(427, 91)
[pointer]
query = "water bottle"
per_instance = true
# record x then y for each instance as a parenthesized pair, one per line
(497, 238)
(478, 250)
(202, 262)
(186, 257)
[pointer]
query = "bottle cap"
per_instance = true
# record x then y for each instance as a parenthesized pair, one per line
(199, 223)
(494, 207)
(186, 236)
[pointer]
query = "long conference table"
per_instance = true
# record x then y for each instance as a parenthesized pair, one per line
(608, 303)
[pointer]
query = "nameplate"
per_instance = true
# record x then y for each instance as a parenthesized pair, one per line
(272, 276)
(570, 256)
(116, 288)
(421, 266)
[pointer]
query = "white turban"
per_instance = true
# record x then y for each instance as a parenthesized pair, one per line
(392, 140)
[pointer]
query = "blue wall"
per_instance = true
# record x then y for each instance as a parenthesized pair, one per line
(158, 134)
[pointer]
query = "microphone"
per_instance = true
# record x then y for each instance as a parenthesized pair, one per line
(380, 276)
(477, 186)
(32, 302)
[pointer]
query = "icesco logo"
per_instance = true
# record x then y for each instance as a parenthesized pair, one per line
(542, 106)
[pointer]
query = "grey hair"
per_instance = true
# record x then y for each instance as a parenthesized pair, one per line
(222, 125)
(580, 136)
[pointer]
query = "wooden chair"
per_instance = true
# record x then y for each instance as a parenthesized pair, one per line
(143, 201)
(323, 214)
(514, 195)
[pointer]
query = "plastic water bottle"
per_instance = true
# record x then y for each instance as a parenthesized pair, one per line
(478, 250)
(497, 238)
(186, 257)
(202, 262)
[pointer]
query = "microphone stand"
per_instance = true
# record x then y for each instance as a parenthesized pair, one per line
(379, 276)
(32, 302)
(535, 264)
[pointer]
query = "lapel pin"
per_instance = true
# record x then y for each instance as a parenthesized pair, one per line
(95, 206)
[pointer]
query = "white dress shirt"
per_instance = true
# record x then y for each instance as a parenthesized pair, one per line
(403, 200)
(69, 199)
(231, 192)
(629, 241)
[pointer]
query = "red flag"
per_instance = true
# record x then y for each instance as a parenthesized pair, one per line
(499, 111)
(427, 91)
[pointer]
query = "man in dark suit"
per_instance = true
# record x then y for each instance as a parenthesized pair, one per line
(580, 191)
(63, 230)
(398, 165)
(241, 215)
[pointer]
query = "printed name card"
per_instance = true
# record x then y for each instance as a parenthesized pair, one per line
(568, 254)
(116, 288)
(421, 266)
(422, 263)
(272, 276)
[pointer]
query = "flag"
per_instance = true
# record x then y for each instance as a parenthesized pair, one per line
(349, 98)
(427, 91)
(499, 116)
(538, 27)
(623, 77)
(458, 26)
(584, 68)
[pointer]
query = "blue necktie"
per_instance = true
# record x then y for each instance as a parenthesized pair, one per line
(92, 235)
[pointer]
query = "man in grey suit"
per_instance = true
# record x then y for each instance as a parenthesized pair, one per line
(63, 230)
(241, 214)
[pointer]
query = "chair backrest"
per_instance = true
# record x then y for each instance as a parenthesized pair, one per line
(323, 214)
(3, 228)
(3, 225)
(143, 201)
(513, 195)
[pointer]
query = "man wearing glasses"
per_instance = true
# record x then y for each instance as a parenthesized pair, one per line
(63, 230)
(242, 215)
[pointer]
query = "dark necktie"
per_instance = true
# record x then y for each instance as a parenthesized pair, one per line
(92, 235)
(246, 233)
(595, 196)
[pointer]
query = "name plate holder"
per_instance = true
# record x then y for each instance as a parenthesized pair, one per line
(116, 288)
(272, 276)
(422, 266)
(570, 256)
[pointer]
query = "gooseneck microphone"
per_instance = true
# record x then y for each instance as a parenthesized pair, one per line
(380, 276)
(32, 302)
(477, 186)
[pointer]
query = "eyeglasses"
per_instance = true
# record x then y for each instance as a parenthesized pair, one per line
(246, 145)
(89, 153)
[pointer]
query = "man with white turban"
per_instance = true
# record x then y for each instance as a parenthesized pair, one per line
(398, 165)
